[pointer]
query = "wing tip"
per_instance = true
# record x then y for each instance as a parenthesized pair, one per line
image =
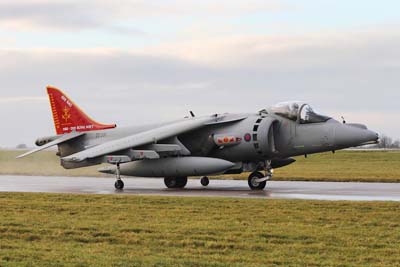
(21, 156)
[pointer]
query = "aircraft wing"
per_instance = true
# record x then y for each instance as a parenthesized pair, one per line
(143, 138)
(62, 139)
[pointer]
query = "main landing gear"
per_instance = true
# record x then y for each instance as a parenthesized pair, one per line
(257, 180)
(175, 182)
(119, 184)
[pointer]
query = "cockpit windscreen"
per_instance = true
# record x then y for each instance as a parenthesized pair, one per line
(298, 111)
(308, 115)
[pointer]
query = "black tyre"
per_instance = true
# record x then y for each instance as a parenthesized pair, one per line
(182, 182)
(253, 184)
(119, 185)
(204, 181)
(175, 182)
(170, 182)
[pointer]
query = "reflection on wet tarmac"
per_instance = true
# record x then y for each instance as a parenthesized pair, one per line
(217, 188)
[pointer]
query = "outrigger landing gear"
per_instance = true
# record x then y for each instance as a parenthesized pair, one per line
(175, 182)
(204, 181)
(119, 184)
(257, 180)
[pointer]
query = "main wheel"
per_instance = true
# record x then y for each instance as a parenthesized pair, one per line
(253, 184)
(175, 182)
(204, 181)
(170, 182)
(119, 184)
(182, 182)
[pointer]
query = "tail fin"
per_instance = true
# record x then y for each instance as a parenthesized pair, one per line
(68, 117)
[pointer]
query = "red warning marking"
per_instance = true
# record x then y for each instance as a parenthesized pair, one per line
(228, 139)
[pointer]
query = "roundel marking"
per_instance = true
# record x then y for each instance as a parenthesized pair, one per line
(247, 137)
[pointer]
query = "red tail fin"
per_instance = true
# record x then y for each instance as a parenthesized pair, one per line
(68, 117)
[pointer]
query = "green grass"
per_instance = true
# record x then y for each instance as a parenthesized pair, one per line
(93, 230)
(42, 163)
(359, 166)
(371, 166)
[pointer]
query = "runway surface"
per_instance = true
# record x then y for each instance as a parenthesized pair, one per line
(217, 188)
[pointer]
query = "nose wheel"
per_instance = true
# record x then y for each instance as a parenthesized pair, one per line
(257, 180)
(119, 184)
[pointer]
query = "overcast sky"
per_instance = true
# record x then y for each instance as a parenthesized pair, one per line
(132, 62)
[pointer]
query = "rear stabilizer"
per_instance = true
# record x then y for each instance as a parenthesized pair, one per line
(68, 117)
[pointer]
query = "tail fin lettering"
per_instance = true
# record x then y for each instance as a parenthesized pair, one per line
(68, 117)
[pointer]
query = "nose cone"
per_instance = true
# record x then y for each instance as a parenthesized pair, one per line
(354, 135)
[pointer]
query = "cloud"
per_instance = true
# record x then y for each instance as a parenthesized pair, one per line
(28, 15)
(286, 51)
(21, 99)
(7, 42)
(348, 73)
(74, 15)
(376, 120)
(61, 16)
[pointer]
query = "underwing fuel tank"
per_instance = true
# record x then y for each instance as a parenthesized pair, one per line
(172, 167)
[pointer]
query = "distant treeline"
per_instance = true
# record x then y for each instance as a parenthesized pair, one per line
(387, 142)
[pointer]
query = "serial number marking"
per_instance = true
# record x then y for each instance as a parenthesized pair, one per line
(100, 135)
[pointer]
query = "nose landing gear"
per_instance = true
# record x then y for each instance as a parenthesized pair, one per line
(257, 180)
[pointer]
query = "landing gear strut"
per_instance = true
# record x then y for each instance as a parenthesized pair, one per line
(175, 182)
(257, 180)
(119, 184)
(204, 181)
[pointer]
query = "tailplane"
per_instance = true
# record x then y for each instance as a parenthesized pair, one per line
(68, 117)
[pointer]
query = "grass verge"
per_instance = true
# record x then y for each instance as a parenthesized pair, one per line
(343, 166)
(90, 230)
(44, 163)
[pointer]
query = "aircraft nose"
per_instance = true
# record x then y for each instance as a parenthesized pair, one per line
(350, 135)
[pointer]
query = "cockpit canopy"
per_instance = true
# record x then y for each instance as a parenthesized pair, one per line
(298, 111)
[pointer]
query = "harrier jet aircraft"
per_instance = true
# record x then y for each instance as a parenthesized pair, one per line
(198, 146)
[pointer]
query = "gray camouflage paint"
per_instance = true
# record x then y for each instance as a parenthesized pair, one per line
(272, 138)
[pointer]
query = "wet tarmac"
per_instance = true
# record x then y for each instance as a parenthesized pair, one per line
(217, 188)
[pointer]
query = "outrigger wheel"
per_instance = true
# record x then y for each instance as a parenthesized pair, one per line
(119, 184)
(175, 182)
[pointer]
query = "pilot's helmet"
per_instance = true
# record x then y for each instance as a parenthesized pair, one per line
(294, 110)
